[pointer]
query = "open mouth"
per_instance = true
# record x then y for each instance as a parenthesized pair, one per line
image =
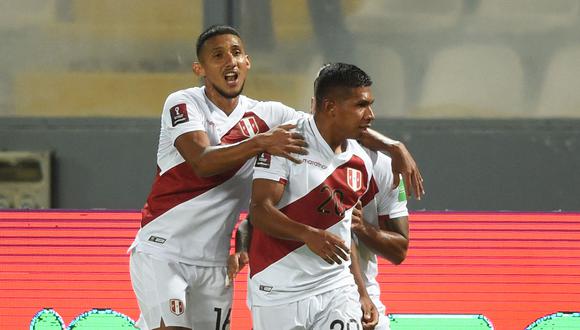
(231, 78)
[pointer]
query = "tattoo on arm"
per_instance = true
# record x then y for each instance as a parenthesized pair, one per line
(244, 236)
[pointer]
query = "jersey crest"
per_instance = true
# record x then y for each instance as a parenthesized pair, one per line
(354, 179)
(249, 126)
(176, 306)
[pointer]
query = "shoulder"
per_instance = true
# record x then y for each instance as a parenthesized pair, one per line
(265, 105)
(190, 95)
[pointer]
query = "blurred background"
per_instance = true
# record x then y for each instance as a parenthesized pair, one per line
(485, 93)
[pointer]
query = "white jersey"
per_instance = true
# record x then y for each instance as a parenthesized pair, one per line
(188, 218)
(320, 192)
(379, 202)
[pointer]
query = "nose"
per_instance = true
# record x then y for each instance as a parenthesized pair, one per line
(230, 59)
(370, 115)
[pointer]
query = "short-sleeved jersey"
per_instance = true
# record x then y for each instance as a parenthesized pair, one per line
(379, 202)
(320, 192)
(189, 218)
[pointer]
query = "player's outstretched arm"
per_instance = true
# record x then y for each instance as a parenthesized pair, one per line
(265, 216)
(207, 160)
(403, 162)
(390, 240)
(370, 314)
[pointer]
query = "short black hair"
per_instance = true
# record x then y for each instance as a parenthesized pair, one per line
(339, 75)
(212, 31)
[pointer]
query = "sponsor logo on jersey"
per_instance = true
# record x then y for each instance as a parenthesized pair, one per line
(354, 179)
(249, 126)
(266, 288)
(314, 163)
(157, 239)
(176, 306)
(264, 160)
(178, 114)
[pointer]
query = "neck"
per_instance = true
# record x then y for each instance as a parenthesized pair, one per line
(334, 139)
(227, 105)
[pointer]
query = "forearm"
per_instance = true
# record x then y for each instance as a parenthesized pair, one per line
(244, 236)
(389, 245)
(379, 142)
(356, 271)
(274, 223)
(218, 159)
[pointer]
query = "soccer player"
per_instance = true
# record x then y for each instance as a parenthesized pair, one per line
(301, 213)
(384, 231)
(209, 136)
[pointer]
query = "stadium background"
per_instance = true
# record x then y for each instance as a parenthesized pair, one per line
(485, 94)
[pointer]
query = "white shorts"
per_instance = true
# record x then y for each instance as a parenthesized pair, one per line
(182, 295)
(334, 310)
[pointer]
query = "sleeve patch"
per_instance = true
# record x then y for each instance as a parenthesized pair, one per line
(264, 160)
(178, 114)
(402, 196)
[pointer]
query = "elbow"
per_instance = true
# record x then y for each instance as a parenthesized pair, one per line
(401, 254)
(399, 258)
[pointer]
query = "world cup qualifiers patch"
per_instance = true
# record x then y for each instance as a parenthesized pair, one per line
(178, 114)
(264, 160)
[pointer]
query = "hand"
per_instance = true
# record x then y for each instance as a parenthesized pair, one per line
(326, 245)
(357, 222)
(280, 141)
(404, 164)
(236, 262)
(370, 313)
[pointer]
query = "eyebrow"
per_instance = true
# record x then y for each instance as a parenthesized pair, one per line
(365, 102)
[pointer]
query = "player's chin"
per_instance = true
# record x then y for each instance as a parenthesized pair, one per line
(362, 130)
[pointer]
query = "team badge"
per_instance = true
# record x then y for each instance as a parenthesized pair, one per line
(263, 160)
(178, 114)
(176, 306)
(249, 126)
(354, 179)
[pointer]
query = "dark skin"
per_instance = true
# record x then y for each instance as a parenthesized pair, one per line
(240, 259)
(370, 313)
(343, 114)
(390, 240)
(224, 65)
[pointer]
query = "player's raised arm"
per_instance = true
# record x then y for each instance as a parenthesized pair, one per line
(265, 196)
(403, 161)
(207, 160)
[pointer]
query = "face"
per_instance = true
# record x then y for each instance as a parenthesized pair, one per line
(224, 65)
(353, 114)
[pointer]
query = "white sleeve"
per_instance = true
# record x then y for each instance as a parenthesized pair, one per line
(271, 167)
(181, 115)
(391, 202)
(283, 113)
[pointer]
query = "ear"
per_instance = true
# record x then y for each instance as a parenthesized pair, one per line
(328, 106)
(312, 105)
(198, 69)
(248, 62)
